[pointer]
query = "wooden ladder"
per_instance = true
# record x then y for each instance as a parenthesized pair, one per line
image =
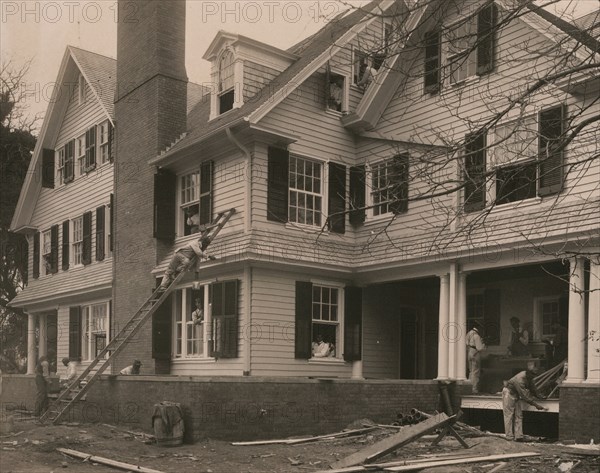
(76, 390)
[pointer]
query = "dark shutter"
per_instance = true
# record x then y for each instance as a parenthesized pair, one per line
(111, 138)
(112, 222)
(165, 195)
(53, 249)
(66, 249)
(75, 333)
(224, 299)
(277, 190)
(48, 168)
(86, 253)
(352, 323)
(161, 330)
(432, 61)
(303, 329)
(69, 161)
(90, 149)
(206, 192)
(475, 162)
(486, 39)
(337, 198)
(357, 195)
(399, 203)
(551, 150)
(36, 255)
(100, 236)
(491, 316)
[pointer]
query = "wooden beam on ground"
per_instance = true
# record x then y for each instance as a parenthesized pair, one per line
(107, 461)
(395, 441)
(344, 433)
(460, 461)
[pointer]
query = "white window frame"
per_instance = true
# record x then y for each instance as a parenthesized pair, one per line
(80, 155)
(181, 327)
(230, 88)
(538, 322)
(370, 191)
(456, 53)
(295, 190)
(356, 52)
(188, 196)
(60, 165)
(102, 142)
(89, 331)
(46, 249)
(339, 324)
(77, 241)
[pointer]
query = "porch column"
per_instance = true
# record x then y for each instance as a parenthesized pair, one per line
(577, 333)
(593, 354)
(31, 356)
(43, 339)
(452, 332)
(443, 325)
(357, 369)
(461, 320)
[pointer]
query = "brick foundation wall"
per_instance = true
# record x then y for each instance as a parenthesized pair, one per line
(579, 417)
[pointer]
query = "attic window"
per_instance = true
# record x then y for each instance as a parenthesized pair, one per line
(336, 88)
(226, 82)
(81, 90)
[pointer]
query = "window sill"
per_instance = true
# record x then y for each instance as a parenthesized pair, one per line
(375, 219)
(189, 360)
(335, 113)
(306, 228)
(326, 361)
(532, 202)
(465, 82)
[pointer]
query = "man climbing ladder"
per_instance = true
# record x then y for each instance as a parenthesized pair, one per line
(183, 257)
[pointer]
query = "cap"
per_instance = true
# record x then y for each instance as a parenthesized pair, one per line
(137, 362)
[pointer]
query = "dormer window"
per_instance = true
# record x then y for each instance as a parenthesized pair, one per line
(226, 82)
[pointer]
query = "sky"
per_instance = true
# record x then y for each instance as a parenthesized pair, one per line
(40, 30)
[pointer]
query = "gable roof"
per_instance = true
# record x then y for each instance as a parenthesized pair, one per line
(313, 55)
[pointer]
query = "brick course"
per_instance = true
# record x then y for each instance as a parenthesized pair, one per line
(579, 417)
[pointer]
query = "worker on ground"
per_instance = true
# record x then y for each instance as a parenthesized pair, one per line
(71, 372)
(132, 369)
(475, 346)
(519, 388)
(182, 259)
(42, 380)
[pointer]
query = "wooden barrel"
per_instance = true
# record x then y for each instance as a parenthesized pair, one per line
(167, 423)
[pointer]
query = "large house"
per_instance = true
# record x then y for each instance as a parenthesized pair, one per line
(408, 170)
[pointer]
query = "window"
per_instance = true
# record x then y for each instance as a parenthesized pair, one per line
(81, 95)
(94, 325)
(476, 309)
(190, 322)
(336, 92)
(474, 172)
(60, 165)
(103, 147)
(515, 141)
(360, 64)
(515, 183)
(550, 317)
(77, 245)
(226, 82)
(462, 53)
(69, 161)
(381, 187)
(80, 155)
(195, 199)
(389, 185)
(47, 250)
(432, 62)
(305, 191)
(325, 321)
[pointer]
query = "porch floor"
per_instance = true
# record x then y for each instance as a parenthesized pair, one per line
(494, 402)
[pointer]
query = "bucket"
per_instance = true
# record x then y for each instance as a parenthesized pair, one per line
(167, 422)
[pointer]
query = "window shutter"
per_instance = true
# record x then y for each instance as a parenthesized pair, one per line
(352, 323)
(475, 162)
(75, 333)
(277, 191)
(165, 195)
(432, 61)
(486, 39)
(86, 253)
(357, 195)
(100, 237)
(111, 138)
(491, 316)
(48, 168)
(112, 222)
(551, 152)
(90, 149)
(66, 249)
(36, 255)
(206, 192)
(337, 198)
(161, 331)
(54, 249)
(399, 202)
(224, 299)
(69, 161)
(303, 330)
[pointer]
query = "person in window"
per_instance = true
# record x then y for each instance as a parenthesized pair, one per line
(475, 346)
(192, 220)
(71, 372)
(132, 369)
(183, 257)
(198, 314)
(42, 380)
(519, 339)
(367, 75)
(321, 349)
(336, 92)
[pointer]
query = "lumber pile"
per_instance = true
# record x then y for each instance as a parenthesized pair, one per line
(550, 380)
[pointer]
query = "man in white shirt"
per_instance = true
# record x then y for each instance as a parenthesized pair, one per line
(132, 369)
(183, 257)
(475, 346)
(71, 372)
(321, 348)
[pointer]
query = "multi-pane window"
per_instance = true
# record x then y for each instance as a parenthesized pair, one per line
(325, 319)
(550, 315)
(80, 155)
(476, 309)
(360, 64)
(226, 82)
(190, 202)
(95, 325)
(462, 53)
(382, 186)
(515, 183)
(306, 194)
(515, 141)
(103, 137)
(190, 322)
(47, 250)
(60, 165)
(77, 245)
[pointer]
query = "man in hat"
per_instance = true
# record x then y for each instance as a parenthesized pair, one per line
(132, 369)
(182, 259)
(516, 389)
(475, 346)
(42, 379)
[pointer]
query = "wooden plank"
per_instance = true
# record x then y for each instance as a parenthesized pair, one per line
(107, 461)
(460, 461)
(305, 439)
(393, 442)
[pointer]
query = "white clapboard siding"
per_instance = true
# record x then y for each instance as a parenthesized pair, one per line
(256, 76)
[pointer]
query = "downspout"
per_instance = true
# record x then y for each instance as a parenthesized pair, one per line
(246, 331)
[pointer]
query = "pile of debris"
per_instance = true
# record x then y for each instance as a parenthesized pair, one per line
(413, 417)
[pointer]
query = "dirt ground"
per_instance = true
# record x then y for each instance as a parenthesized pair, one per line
(34, 450)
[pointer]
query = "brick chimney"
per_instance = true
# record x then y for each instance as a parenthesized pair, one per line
(150, 112)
